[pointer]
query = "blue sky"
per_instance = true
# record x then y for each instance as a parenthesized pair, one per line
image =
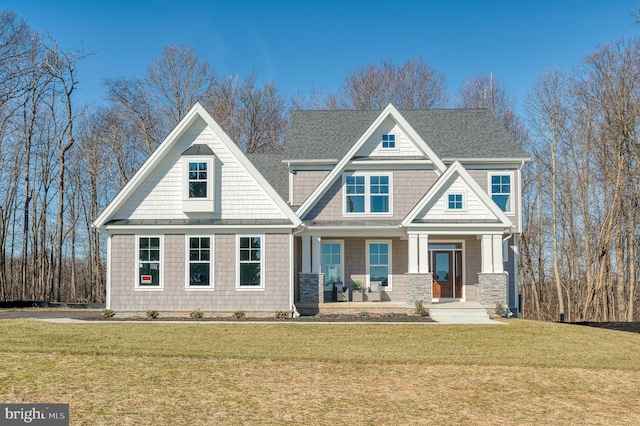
(303, 44)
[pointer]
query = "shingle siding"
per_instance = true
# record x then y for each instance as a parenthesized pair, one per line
(224, 297)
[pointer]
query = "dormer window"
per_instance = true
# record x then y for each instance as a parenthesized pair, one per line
(198, 170)
(198, 179)
(388, 141)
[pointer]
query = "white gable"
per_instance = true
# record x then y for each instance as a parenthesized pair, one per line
(405, 147)
(238, 195)
(473, 207)
(156, 190)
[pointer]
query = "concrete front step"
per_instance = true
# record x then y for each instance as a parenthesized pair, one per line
(467, 315)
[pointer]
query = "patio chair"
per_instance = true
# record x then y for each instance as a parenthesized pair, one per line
(375, 291)
(340, 292)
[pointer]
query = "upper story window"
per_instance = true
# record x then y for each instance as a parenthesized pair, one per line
(455, 202)
(197, 181)
(501, 190)
(388, 141)
(367, 193)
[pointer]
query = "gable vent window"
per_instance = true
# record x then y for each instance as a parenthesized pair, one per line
(455, 202)
(198, 179)
(389, 141)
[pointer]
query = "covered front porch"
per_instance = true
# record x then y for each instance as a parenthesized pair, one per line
(405, 268)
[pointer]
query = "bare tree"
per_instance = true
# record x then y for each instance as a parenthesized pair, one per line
(414, 85)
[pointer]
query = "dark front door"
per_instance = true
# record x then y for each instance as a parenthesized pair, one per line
(442, 262)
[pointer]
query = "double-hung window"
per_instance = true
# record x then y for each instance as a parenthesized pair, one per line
(501, 189)
(379, 262)
(332, 263)
(200, 262)
(198, 179)
(367, 193)
(250, 270)
(149, 263)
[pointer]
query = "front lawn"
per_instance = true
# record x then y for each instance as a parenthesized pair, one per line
(524, 372)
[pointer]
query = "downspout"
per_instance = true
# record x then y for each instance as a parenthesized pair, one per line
(292, 280)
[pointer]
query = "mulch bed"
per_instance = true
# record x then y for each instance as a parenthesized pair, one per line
(364, 317)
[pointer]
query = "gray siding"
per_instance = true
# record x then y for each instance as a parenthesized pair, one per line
(224, 297)
(304, 182)
(409, 186)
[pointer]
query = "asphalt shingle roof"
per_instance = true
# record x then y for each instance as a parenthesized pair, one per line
(329, 134)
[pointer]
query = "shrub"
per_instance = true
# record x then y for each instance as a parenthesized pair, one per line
(500, 309)
(363, 314)
(152, 314)
(197, 314)
(238, 315)
(108, 313)
(282, 315)
(420, 309)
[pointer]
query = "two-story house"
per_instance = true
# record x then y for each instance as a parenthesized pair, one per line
(418, 205)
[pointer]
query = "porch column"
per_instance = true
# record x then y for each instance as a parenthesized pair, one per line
(486, 252)
(306, 254)
(413, 253)
(423, 253)
(497, 254)
(316, 254)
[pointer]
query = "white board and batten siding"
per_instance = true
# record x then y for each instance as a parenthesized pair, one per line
(238, 194)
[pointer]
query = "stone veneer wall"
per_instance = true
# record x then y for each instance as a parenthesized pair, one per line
(311, 288)
(492, 289)
(419, 287)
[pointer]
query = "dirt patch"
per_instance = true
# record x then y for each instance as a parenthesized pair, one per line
(362, 317)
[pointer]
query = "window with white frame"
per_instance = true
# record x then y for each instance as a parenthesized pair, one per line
(200, 264)
(198, 163)
(149, 262)
(388, 141)
(367, 193)
(501, 190)
(379, 262)
(198, 179)
(332, 263)
(250, 270)
(455, 201)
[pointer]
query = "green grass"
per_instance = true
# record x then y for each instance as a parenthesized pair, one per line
(211, 373)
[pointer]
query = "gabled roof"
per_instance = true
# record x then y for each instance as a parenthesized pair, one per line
(445, 180)
(450, 133)
(389, 111)
(197, 112)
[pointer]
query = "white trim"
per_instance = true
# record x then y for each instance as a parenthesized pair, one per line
(187, 262)
(161, 264)
(389, 111)
(368, 243)
(367, 194)
(108, 283)
(262, 268)
(341, 243)
(512, 193)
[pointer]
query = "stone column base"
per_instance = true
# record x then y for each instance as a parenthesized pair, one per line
(311, 288)
(492, 289)
(419, 287)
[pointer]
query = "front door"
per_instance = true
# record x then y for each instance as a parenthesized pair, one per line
(447, 274)
(442, 274)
